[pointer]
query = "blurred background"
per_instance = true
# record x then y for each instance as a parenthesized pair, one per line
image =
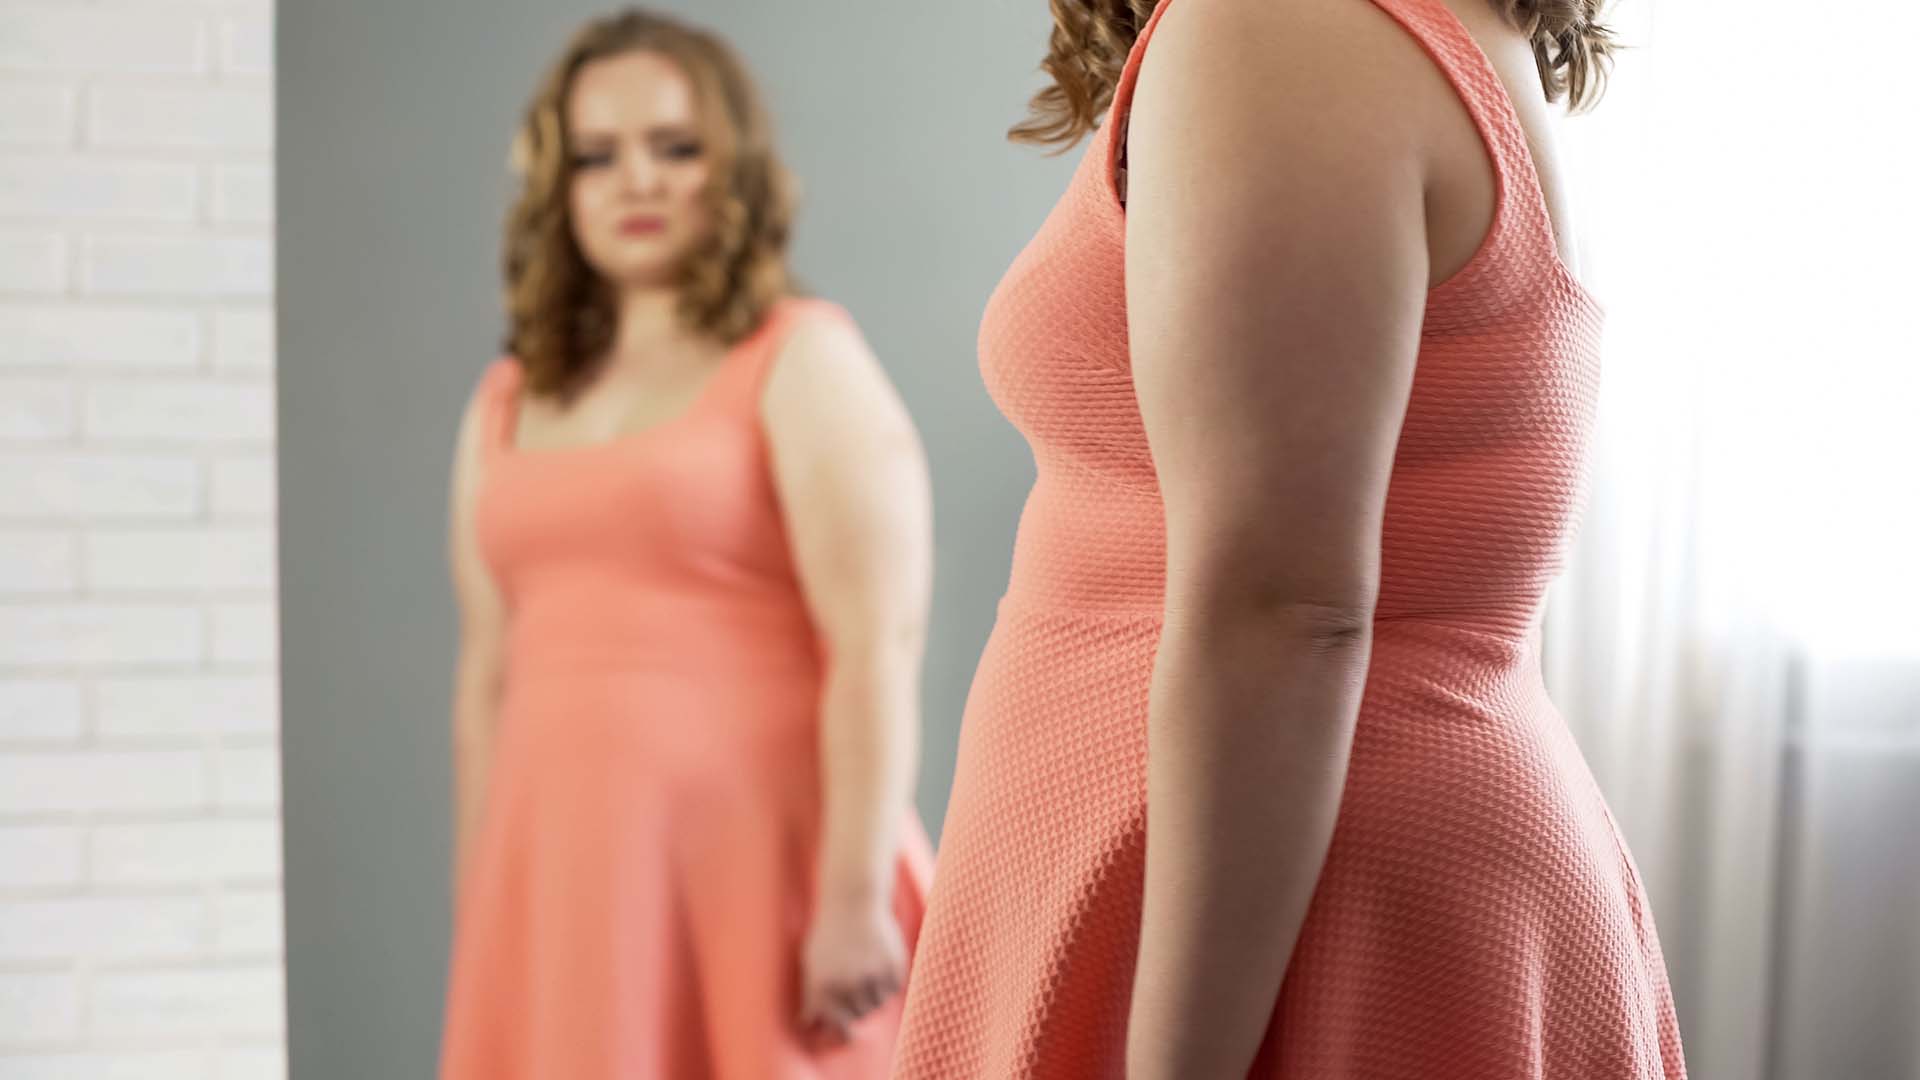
(1736, 644)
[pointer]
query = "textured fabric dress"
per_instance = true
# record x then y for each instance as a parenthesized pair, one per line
(643, 872)
(1477, 916)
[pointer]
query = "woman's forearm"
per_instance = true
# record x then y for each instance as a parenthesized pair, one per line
(869, 752)
(1250, 724)
(476, 694)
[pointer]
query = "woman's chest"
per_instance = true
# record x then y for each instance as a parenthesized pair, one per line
(698, 498)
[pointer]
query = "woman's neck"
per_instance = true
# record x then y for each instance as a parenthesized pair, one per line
(648, 322)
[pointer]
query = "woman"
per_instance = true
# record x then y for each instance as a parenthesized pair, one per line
(1258, 775)
(690, 541)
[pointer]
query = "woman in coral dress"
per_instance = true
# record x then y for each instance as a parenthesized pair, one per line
(1258, 776)
(690, 541)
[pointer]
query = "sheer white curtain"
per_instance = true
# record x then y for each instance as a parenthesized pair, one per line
(1750, 551)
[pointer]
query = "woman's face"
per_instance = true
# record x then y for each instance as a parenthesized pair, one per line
(639, 168)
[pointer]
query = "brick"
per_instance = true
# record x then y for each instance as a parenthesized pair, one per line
(106, 1065)
(39, 709)
(38, 1008)
(243, 340)
(249, 924)
(243, 194)
(37, 564)
(36, 410)
(36, 114)
(243, 487)
(100, 634)
(188, 707)
(247, 778)
(211, 266)
(176, 560)
(252, 1063)
(39, 856)
(41, 486)
(191, 852)
(221, 1001)
(63, 38)
(32, 263)
(92, 336)
(104, 928)
(98, 189)
(173, 117)
(103, 781)
(245, 634)
(195, 412)
(246, 45)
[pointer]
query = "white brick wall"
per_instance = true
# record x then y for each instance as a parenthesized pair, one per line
(35, 113)
(183, 267)
(32, 261)
(39, 185)
(140, 861)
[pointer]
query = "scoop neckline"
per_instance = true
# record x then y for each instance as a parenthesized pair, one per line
(709, 388)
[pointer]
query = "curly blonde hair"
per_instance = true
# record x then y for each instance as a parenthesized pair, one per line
(1091, 40)
(560, 312)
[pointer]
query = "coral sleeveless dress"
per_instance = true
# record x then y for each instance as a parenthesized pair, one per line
(642, 876)
(1477, 917)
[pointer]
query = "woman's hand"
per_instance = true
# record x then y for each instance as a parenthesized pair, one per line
(854, 962)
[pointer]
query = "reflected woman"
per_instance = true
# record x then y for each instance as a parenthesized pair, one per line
(691, 545)
(1258, 775)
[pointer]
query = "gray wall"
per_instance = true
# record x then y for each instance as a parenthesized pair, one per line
(393, 126)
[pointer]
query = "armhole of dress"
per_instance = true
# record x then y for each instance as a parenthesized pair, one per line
(1520, 205)
(1113, 174)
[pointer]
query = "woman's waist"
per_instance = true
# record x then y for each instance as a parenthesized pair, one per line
(1088, 544)
(608, 600)
(1090, 636)
(691, 657)
(600, 732)
(1039, 590)
(1123, 586)
(661, 635)
(587, 701)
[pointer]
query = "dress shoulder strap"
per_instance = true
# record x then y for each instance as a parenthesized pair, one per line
(498, 397)
(761, 349)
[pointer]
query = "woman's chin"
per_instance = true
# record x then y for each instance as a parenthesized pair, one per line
(636, 274)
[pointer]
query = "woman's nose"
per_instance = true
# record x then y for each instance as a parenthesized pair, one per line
(639, 173)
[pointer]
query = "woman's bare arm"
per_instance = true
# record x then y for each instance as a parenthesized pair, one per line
(852, 479)
(1276, 282)
(477, 668)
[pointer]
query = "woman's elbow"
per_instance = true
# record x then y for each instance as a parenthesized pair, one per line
(1324, 617)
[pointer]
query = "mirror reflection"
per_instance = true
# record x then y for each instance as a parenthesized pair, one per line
(691, 542)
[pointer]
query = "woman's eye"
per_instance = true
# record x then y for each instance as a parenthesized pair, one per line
(591, 161)
(682, 151)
